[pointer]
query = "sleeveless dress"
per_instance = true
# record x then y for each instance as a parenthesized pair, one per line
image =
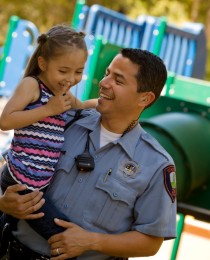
(35, 149)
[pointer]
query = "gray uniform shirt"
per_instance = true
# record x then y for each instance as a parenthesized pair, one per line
(132, 186)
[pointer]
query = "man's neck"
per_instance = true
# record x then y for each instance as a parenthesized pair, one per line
(119, 126)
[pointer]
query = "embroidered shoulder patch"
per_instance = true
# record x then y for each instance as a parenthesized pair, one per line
(170, 181)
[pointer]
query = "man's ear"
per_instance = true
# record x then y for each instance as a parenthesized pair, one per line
(42, 63)
(146, 99)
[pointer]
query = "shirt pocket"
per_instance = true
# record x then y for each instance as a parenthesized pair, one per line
(110, 207)
(60, 178)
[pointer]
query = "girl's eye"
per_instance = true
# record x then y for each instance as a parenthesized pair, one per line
(62, 71)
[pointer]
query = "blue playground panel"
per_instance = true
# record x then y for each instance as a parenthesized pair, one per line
(79, 90)
(20, 49)
(82, 18)
(200, 60)
(184, 49)
(153, 25)
(115, 28)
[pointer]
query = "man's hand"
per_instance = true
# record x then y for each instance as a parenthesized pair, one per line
(72, 242)
(75, 240)
(21, 206)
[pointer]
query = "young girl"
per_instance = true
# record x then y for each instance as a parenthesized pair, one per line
(36, 111)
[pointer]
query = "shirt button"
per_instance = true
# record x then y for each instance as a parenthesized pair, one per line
(65, 206)
(80, 180)
(115, 194)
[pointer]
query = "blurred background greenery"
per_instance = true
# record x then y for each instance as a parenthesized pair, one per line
(46, 13)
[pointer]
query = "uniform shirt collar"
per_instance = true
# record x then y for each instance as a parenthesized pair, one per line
(128, 142)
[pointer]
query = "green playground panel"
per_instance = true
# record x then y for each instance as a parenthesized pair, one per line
(166, 104)
(12, 26)
(183, 129)
(103, 54)
(160, 35)
(200, 197)
(77, 11)
(189, 99)
(189, 89)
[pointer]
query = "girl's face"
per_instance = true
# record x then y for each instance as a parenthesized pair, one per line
(62, 72)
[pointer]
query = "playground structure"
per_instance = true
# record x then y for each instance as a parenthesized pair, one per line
(179, 120)
(183, 49)
(18, 47)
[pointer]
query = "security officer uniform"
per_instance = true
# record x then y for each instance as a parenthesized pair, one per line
(132, 186)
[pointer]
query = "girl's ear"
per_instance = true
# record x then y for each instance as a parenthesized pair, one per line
(42, 63)
(146, 99)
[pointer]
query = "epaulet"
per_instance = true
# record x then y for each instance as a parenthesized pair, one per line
(75, 118)
(78, 114)
(156, 145)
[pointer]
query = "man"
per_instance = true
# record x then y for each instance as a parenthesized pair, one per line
(125, 206)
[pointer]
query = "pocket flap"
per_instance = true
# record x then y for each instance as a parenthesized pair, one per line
(117, 190)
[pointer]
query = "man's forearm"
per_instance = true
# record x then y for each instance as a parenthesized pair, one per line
(129, 244)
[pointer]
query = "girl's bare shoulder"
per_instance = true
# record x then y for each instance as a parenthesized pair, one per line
(30, 86)
(29, 81)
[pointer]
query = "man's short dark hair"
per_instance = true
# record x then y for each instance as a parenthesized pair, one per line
(152, 73)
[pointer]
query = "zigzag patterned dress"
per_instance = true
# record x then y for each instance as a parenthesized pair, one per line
(35, 149)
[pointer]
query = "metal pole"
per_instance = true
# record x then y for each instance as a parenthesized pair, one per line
(77, 11)
(180, 226)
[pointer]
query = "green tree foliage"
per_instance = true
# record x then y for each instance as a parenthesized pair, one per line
(44, 14)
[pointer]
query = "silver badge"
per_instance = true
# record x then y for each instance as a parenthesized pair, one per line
(130, 169)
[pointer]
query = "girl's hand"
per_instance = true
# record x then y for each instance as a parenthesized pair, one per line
(58, 104)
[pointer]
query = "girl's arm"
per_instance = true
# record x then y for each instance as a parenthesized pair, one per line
(14, 116)
(76, 103)
(90, 103)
